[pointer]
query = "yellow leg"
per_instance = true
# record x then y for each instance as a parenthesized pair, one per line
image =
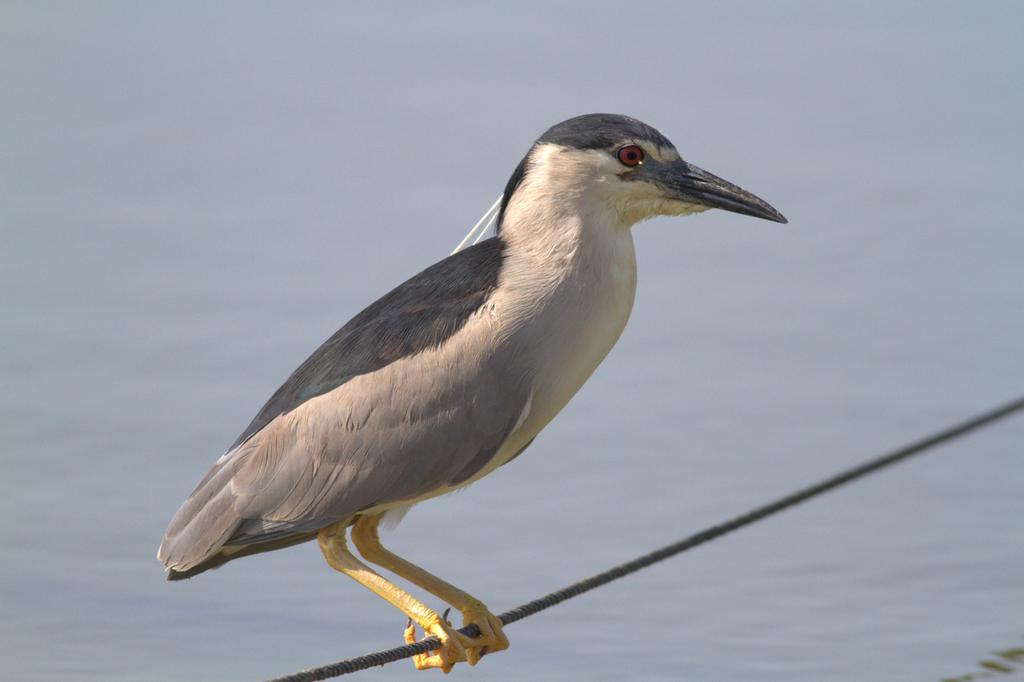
(453, 645)
(492, 638)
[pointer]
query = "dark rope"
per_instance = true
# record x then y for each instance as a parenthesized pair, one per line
(430, 643)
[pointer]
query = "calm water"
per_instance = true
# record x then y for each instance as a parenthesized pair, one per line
(191, 199)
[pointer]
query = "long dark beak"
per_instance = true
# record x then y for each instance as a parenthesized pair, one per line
(694, 185)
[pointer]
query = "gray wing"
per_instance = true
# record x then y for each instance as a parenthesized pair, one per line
(417, 315)
(395, 406)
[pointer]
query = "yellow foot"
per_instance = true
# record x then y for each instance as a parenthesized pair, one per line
(453, 645)
(456, 647)
(492, 637)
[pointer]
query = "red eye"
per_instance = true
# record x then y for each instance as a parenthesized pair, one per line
(631, 155)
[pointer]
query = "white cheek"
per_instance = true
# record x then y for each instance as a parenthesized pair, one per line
(674, 207)
(634, 201)
(637, 201)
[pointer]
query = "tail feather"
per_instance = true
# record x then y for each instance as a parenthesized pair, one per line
(238, 551)
(203, 524)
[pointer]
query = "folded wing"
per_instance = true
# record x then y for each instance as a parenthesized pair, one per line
(408, 399)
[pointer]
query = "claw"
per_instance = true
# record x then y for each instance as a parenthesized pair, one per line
(409, 635)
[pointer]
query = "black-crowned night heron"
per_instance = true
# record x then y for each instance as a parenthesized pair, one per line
(452, 374)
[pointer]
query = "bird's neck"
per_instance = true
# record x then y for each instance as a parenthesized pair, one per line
(565, 293)
(563, 247)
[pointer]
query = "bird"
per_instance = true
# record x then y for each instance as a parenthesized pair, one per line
(451, 374)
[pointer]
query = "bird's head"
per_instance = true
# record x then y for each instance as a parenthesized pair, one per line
(620, 168)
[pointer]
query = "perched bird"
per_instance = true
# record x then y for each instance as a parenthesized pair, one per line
(451, 374)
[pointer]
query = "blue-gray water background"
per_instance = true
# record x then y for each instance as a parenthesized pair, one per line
(193, 197)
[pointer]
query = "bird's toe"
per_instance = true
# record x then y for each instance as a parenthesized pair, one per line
(453, 647)
(492, 635)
